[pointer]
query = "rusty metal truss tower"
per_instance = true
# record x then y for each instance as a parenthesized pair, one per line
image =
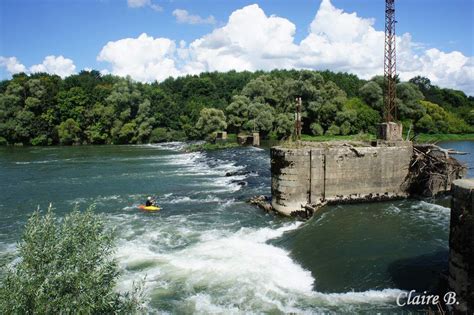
(390, 63)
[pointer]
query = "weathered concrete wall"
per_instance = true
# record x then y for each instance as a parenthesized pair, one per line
(335, 172)
(290, 179)
(461, 245)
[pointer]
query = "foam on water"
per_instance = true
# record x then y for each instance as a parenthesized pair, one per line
(198, 164)
(169, 198)
(432, 213)
(225, 271)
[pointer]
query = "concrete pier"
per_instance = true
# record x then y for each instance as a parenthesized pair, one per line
(461, 245)
(338, 172)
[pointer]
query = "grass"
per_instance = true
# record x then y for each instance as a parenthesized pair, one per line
(358, 137)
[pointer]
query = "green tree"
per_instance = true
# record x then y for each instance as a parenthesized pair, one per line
(127, 133)
(372, 94)
(68, 132)
(210, 121)
(408, 101)
(470, 117)
(237, 112)
(316, 129)
(65, 268)
(284, 125)
(261, 117)
(333, 130)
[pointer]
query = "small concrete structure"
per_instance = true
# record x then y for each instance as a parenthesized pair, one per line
(253, 139)
(314, 173)
(461, 245)
(390, 131)
(256, 139)
(221, 136)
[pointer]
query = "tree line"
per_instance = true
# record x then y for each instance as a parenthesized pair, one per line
(91, 108)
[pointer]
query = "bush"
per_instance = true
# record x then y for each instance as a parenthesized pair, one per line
(68, 132)
(345, 128)
(40, 140)
(65, 268)
(3, 141)
(316, 129)
(333, 131)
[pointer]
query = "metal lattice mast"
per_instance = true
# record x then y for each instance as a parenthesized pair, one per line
(390, 62)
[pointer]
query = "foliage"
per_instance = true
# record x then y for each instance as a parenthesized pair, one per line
(65, 268)
(68, 131)
(43, 109)
(316, 129)
(438, 120)
(284, 125)
(211, 120)
(333, 130)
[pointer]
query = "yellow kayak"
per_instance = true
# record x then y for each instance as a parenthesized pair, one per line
(149, 208)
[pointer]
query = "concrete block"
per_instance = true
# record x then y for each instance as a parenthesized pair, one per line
(390, 131)
(461, 244)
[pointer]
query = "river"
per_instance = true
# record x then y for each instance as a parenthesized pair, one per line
(208, 251)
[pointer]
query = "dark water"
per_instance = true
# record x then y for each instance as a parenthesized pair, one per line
(208, 251)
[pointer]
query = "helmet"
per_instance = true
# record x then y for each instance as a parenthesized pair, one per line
(149, 198)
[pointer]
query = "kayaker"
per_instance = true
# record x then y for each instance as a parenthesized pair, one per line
(150, 202)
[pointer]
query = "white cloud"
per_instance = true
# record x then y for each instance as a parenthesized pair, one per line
(12, 65)
(51, 64)
(183, 16)
(144, 58)
(252, 40)
(144, 3)
(55, 65)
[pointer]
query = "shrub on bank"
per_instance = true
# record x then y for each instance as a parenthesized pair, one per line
(65, 268)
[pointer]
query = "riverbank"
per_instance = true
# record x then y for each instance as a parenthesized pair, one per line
(231, 141)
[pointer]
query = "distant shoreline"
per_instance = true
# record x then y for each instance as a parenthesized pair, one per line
(231, 142)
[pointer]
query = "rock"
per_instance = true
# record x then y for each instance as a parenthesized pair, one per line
(237, 173)
(263, 202)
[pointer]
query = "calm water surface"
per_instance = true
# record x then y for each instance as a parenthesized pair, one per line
(208, 251)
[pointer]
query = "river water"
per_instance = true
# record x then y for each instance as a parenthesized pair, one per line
(207, 251)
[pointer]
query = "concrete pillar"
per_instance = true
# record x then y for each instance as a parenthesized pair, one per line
(390, 131)
(256, 139)
(461, 245)
(290, 179)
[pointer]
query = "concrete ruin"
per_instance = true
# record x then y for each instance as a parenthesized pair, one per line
(221, 136)
(390, 131)
(253, 139)
(461, 245)
(309, 174)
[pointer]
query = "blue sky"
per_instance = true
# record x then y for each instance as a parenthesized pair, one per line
(78, 30)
